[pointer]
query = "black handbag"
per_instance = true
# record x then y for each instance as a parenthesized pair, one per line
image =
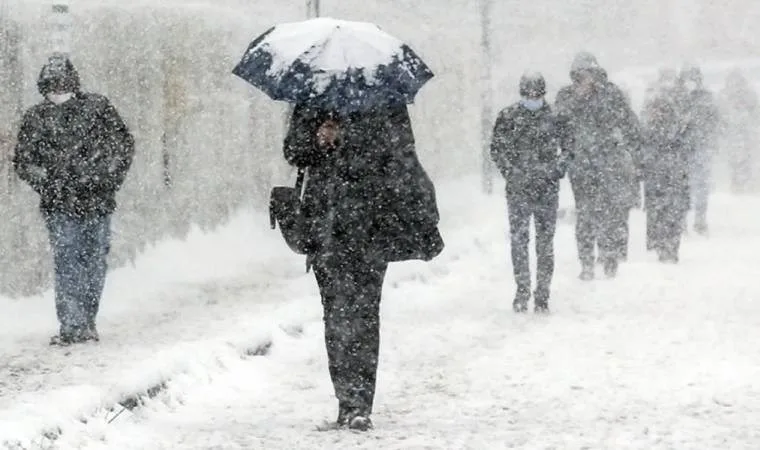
(285, 211)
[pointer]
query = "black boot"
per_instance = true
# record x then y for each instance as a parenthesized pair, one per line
(541, 299)
(611, 267)
(587, 272)
(520, 303)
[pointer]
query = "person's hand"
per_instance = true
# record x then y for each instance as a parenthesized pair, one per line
(327, 134)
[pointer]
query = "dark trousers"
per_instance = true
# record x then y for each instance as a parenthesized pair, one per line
(351, 292)
(599, 223)
(624, 235)
(543, 210)
(80, 250)
(699, 180)
(665, 219)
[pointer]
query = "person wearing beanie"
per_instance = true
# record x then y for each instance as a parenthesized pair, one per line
(74, 150)
(530, 148)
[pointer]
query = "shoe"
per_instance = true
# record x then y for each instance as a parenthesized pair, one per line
(345, 413)
(668, 259)
(63, 340)
(541, 299)
(520, 303)
(701, 228)
(587, 273)
(90, 334)
(360, 423)
(611, 268)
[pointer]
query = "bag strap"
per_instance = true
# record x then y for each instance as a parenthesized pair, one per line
(299, 181)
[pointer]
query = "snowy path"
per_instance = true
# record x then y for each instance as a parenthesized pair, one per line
(662, 357)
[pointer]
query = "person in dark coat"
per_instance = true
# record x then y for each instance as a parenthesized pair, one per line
(367, 202)
(740, 116)
(666, 174)
(605, 170)
(525, 147)
(701, 119)
(662, 93)
(74, 150)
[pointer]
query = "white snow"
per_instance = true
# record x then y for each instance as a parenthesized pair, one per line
(330, 45)
(662, 357)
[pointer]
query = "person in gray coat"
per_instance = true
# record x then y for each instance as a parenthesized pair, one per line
(530, 148)
(605, 170)
(701, 125)
(666, 177)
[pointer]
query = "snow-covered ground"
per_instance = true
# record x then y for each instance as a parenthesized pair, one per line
(661, 357)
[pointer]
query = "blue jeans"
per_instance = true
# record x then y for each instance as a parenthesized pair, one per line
(80, 248)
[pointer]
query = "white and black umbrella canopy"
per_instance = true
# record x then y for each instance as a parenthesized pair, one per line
(333, 64)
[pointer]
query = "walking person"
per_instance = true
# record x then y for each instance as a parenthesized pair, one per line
(603, 173)
(662, 102)
(367, 202)
(666, 175)
(701, 118)
(74, 150)
(525, 147)
(740, 111)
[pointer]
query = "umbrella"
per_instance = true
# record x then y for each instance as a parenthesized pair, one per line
(333, 64)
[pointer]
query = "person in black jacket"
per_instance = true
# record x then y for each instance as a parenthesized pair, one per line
(74, 150)
(367, 202)
(525, 147)
(701, 118)
(666, 174)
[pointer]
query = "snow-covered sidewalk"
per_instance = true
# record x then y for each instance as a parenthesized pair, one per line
(661, 357)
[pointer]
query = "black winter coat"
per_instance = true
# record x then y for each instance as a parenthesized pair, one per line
(525, 147)
(75, 155)
(666, 164)
(701, 119)
(370, 196)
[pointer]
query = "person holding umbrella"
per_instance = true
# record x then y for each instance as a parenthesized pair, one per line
(367, 201)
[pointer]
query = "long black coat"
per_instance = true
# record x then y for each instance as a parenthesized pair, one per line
(75, 155)
(525, 147)
(370, 196)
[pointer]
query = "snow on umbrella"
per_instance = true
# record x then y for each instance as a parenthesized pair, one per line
(333, 64)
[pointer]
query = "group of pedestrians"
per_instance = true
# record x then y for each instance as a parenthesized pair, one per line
(610, 155)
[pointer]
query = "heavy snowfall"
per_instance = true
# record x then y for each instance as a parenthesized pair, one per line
(211, 332)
